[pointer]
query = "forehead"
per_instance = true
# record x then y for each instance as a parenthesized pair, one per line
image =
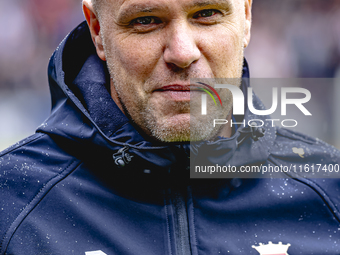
(151, 5)
(195, 2)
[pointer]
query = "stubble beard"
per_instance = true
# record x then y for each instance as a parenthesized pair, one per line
(183, 127)
(177, 129)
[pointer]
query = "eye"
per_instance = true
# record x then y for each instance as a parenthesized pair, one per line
(206, 13)
(146, 21)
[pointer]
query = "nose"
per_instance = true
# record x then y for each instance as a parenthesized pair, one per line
(181, 48)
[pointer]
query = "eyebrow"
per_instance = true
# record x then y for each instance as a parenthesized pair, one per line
(212, 2)
(135, 9)
(139, 8)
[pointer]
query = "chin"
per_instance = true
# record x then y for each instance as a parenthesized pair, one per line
(181, 129)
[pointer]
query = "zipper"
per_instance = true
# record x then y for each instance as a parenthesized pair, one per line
(181, 226)
(178, 196)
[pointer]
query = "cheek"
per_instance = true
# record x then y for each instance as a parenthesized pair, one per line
(132, 62)
(136, 56)
(223, 52)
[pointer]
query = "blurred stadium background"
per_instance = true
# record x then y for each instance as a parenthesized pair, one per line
(290, 38)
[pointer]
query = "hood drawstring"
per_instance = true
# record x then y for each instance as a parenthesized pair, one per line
(122, 157)
(254, 132)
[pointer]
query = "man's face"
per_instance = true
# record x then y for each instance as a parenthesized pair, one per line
(154, 47)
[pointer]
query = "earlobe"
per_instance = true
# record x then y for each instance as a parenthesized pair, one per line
(246, 39)
(247, 25)
(94, 26)
(99, 47)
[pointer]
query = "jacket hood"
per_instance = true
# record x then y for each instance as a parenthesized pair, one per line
(84, 114)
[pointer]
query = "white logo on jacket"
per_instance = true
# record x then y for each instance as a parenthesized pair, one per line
(272, 249)
(95, 253)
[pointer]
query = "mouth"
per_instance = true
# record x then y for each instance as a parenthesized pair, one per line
(177, 92)
(175, 87)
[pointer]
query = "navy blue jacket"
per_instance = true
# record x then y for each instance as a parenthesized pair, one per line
(64, 190)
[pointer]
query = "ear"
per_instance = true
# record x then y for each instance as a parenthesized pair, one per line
(94, 25)
(247, 26)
